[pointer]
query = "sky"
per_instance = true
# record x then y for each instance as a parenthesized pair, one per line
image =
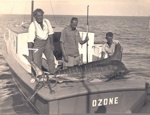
(78, 7)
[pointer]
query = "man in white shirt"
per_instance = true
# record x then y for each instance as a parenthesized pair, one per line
(41, 38)
(111, 47)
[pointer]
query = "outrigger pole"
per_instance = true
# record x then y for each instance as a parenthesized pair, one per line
(87, 31)
(32, 7)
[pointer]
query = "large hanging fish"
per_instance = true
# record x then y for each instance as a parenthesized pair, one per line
(111, 67)
(108, 68)
(94, 70)
(98, 69)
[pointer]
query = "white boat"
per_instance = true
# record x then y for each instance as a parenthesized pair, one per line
(91, 96)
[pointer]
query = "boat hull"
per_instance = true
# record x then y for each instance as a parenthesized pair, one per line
(112, 100)
(128, 100)
(115, 96)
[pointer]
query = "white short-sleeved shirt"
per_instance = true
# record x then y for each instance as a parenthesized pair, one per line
(35, 30)
(109, 51)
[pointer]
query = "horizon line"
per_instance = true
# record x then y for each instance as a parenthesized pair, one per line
(85, 15)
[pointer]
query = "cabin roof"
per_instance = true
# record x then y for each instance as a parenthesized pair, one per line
(18, 29)
(24, 28)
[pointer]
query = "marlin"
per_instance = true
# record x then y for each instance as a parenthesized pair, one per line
(112, 69)
(109, 68)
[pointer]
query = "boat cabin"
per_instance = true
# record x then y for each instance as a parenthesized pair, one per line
(16, 40)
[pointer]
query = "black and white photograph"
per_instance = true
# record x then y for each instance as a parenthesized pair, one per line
(74, 57)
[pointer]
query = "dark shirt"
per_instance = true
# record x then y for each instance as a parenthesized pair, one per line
(70, 38)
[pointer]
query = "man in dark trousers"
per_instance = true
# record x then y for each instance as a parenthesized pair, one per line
(41, 38)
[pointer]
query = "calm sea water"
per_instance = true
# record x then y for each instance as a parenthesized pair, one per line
(11, 100)
(132, 32)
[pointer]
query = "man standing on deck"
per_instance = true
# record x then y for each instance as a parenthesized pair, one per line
(41, 38)
(111, 47)
(69, 40)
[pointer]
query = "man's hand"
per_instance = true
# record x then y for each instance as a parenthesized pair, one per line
(87, 38)
(66, 58)
(84, 41)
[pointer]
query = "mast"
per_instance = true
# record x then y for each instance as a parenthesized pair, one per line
(87, 32)
(32, 7)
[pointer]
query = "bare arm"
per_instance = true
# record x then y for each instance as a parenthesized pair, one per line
(118, 52)
(62, 41)
(64, 52)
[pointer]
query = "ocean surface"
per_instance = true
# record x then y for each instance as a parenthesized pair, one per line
(132, 32)
(11, 100)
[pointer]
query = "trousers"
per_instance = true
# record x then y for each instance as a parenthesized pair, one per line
(44, 46)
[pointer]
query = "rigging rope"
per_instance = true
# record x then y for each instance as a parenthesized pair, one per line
(9, 16)
(25, 11)
(53, 11)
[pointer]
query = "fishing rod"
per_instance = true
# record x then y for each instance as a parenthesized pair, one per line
(87, 32)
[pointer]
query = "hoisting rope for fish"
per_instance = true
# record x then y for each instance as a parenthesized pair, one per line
(42, 79)
(42, 83)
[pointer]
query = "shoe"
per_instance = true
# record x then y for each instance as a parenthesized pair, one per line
(32, 80)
